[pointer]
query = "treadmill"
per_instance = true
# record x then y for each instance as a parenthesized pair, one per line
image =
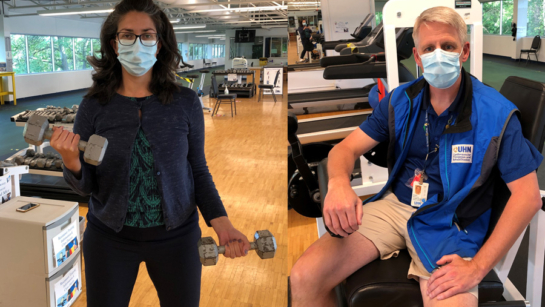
(353, 66)
(360, 33)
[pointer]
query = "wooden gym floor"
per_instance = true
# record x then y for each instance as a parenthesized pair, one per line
(247, 158)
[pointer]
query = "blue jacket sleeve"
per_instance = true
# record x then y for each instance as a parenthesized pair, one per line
(83, 126)
(376, 125)
(517, 156)
(206, 194)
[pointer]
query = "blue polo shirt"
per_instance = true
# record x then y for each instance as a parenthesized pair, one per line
(517, 156)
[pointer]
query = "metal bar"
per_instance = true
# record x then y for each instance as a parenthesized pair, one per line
(59, 4)
(536, 256)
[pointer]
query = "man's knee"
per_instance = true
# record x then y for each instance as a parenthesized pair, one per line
(302, 277)
(465, 299)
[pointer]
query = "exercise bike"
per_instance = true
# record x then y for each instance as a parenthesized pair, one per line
(190, 79)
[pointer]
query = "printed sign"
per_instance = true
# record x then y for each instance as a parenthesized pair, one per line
(341, 27)
(462, 153)
(65, 243)
(5, 189)
(462, 4)
(232, 77)
(68, 287)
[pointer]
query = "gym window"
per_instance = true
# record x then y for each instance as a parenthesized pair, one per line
(39, 54)
(498, 16)
(218, 51)
(536, 22)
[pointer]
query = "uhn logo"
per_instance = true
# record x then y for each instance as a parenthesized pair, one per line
(463, 149)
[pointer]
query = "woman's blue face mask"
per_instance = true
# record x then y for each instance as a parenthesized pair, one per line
(138, 58)
(441, 68)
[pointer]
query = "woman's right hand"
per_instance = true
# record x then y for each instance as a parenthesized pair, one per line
(66, 144)
(342, 208)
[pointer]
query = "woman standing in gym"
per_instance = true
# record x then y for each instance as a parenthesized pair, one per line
(154, 174)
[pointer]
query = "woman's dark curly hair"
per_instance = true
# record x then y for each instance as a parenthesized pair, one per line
(107, 78)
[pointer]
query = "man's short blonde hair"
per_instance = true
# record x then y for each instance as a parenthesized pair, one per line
(441, 14)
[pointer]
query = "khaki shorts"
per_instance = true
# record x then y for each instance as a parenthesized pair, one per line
(384, 222)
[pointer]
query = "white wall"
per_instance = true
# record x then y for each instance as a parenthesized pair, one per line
(351, 12)
(46, 83)
(501, 45)
(276, 32)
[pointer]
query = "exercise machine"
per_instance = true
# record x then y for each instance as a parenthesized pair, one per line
(200, 92)
(354, 66)
(190, 79)
(359, 36)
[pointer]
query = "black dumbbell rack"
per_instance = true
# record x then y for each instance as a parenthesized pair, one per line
(45, 183)
(245, 91)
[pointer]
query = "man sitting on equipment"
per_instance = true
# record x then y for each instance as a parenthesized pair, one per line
(305, 34)
(450, 136)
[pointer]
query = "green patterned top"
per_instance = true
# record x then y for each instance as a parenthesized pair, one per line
(145, 201)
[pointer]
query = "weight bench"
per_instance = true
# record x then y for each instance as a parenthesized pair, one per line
(384, 282)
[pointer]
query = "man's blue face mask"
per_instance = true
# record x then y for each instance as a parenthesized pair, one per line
(138, 58)
(441, 68)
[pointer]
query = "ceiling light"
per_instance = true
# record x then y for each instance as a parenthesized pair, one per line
(174, 20)
(200, 31)
(85, 10)
(245, 9)
(274, 26)
(182, 27)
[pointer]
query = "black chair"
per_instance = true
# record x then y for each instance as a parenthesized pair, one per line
(536, 45)
(221, 98)
(268, 87)
(204, 64)
(384, 282)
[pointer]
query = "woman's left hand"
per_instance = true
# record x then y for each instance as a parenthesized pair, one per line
(236, 244)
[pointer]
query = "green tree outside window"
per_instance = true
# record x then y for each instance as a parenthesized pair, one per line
(39, 54)
(18, 53)
(83, 49)
(536, 18)
(96, 47)
(64, 53)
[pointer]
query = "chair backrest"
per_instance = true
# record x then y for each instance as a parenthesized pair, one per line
(276, 78)
(215, 85)
(536, 43)
(529, 97)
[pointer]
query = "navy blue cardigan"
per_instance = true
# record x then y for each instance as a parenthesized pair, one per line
(176, 135)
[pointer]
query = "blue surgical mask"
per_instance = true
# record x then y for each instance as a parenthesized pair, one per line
(441, 68)
(304, 23)
(138, 58)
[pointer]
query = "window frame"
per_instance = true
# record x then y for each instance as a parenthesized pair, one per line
(52, 51)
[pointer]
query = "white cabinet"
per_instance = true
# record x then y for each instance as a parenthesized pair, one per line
(37, 249)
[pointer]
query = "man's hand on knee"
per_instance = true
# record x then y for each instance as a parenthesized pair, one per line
(342, 209)
(455, 276)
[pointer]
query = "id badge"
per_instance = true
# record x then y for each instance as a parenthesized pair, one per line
(420, 194)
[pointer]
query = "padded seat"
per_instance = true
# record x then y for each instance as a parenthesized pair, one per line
(205, 71)
(192, 76)
(227, 96)
(384, 283)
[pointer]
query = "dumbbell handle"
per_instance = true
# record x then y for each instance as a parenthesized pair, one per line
(49, 133)
(221, 248)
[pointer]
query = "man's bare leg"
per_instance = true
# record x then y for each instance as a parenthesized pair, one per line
(326, 263)
(459, 300)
